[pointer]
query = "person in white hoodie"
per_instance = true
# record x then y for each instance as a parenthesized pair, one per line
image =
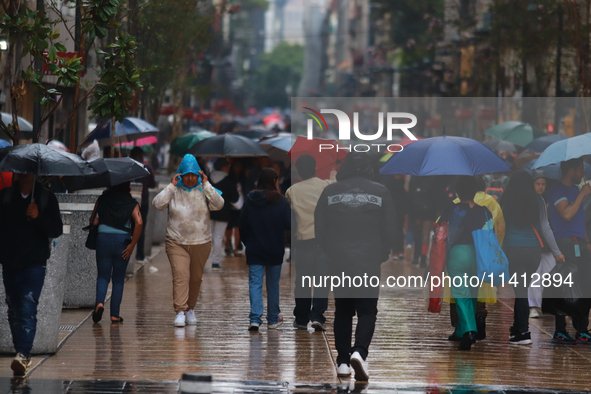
(189, 198)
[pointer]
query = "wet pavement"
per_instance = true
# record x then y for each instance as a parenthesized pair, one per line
(409, 353)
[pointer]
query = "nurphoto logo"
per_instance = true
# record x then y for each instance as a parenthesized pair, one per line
(392, 123)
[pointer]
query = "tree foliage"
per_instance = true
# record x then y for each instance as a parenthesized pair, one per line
(280, 71)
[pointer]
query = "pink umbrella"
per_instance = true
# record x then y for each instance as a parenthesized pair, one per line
(141, 142)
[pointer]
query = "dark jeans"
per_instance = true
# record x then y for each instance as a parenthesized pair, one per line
(23, 289)
(522, 261)
(139, 254)
(309, 260)
(111, 265)
(345, 308)
(567, 247)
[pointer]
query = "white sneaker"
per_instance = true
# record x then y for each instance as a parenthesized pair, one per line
(180, 320)
(360, 367)
(534, 313)
(276, 325)
(343, 370)
(191, 319)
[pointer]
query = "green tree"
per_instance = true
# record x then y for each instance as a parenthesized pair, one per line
(279, 75)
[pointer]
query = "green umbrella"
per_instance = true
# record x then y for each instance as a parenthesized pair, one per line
(518, 133)
(182, 144)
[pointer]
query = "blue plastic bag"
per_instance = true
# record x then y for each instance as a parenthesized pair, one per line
(490, 258)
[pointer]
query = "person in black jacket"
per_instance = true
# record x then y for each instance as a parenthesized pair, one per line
(353, 223)
(265, 216)
(26, 225)
(219, 219)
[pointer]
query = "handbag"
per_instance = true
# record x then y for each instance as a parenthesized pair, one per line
(492, 265)
(92, 236)
(437, 259)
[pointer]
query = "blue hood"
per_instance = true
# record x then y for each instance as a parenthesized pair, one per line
(189, 165)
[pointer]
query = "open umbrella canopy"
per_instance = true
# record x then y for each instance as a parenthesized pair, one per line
(540, 144)
(326, 158)
(227, 145)
(4, 144)
(445, 156)
(571, 148)
(109, 172)
(405, 141)
(255, 134)
(516, 132)
(58, 145)
(500, 145)
(23, 124)
(42, 160)
(130, 130)
(278, 148)
(181, 145)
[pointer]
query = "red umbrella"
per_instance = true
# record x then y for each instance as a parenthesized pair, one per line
(324, 151)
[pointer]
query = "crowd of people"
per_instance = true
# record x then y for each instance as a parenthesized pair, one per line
(348, 224)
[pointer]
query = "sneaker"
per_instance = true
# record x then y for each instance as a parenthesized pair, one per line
(180, 320)
(583, 337)
(468, 339)
(564, 338)
(360, 367)
(317, 326)
(534, 312)
(191, 319)
(276, 325)
(216, 267)
(299, 326)
(521, 339)
(20, 365)
(343, 370)
(512, 333)
(253, 327)
(229, 252)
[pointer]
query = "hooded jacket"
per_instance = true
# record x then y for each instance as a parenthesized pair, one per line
(188, 209)
(354, 219)
(262, 226)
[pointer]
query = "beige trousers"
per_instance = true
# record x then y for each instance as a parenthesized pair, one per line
(187, 263)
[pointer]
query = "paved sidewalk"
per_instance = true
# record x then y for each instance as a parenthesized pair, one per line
(410, 347)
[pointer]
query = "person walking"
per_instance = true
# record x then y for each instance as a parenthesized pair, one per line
(464, 218)
(236, 249)
(148, 182)
(219, 219)
(308, 258)
(118, 217)
(354, 226)
(567, 217)
(525, 216)
(189, 197)
(424, 196)
(264, 219)
(550, 252)
(27, 222)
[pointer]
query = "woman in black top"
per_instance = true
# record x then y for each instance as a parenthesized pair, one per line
(119, 219)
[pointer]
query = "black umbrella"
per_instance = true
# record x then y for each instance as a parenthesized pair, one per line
(42, 160)
(227, 145)
(110, 172)
(498, 145)
(255, 134)
(540, 144)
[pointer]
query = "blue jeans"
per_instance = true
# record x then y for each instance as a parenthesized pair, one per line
(23, 289)
(255, 289)
(110, 264)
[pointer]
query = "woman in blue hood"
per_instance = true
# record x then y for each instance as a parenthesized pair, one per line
(265, 216)
(189, 198)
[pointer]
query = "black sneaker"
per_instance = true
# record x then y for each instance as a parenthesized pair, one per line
(253, 327)
(216, 267)
(521, 339)
(467, 341)
(583, 337)
(564, 338)
(512, 333)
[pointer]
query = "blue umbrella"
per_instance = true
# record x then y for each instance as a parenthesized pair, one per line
(540, 144)
(553, 170)
(278, 147)
(564, 150)
(445, 156)
(4, 144)
(130, 130)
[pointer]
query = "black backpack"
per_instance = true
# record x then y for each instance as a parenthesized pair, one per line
(495, 189)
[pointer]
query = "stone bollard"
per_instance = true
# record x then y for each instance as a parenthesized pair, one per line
(193, 383)
(50, 302)
(80, 285)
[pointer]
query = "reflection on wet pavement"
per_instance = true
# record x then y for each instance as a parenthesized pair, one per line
(410, 351)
